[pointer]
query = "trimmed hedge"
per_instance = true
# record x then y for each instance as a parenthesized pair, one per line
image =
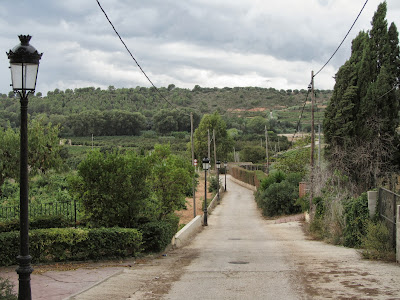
(158, 234)
(250, 177)
(64, 244)
(37, 223)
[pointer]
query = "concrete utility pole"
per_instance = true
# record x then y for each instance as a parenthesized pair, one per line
(312, 140)
(194, 178)
(266, 148)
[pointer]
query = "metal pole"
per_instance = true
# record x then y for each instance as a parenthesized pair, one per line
(218, 183)
(24, 269)
(194, 177)
(205, 198)
(225, 179)
(312, 141)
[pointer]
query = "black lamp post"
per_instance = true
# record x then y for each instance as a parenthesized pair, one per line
(206, 166)
(24, 65)
(218, 163)
(226, 166)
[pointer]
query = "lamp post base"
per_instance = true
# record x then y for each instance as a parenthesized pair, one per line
(24, 271)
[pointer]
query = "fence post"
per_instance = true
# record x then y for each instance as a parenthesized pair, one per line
(372, 201)
(398, 234)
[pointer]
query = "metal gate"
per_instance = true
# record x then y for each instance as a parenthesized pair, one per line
(388, 202)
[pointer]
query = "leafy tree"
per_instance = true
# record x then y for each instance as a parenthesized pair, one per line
(43, 150)
(256, 125)
(253, 154)
(171, 179)
(112, 187)
(223, 141)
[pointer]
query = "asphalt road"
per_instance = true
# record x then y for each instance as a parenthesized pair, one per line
(240, 255)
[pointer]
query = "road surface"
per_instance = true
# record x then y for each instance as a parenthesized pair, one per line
(240, 255)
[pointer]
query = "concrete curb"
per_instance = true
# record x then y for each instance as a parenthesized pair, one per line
(187, 232)
(183, 236)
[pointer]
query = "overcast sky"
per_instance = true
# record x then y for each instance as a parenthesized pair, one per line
(212, 43)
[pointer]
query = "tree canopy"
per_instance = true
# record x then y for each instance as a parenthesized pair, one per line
(362, 116)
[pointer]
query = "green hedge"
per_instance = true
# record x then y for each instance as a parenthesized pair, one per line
(64, 244)
(158, 234)
(37, 223)
(250, 177)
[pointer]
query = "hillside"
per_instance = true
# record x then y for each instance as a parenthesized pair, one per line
(67, 107)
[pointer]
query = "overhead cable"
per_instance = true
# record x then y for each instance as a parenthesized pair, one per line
(130, 53)
(342, 40)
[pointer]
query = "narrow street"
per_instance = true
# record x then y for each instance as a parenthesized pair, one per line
(240, 255)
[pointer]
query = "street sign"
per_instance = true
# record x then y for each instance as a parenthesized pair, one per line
(195, 162)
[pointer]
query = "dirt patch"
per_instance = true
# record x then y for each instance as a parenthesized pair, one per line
(186, 215)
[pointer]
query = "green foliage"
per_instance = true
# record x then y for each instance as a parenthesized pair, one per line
(6, 290)
(213, 184)
(64, 244)
(158, 234)
(253, 154)
(112, 188)
(37, 223)
(279, 196)
(361, 119)
(294, 161)
(356, 216)
(171, 179)
(274, 177)
(376, 242)
(223, 141)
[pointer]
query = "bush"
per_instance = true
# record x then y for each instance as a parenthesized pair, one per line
(213, 184)
(37, 223)
(6, 290)
(158, 234)
(274, 177)
(356, 216)
(376, 242)
(63, 244)
(279, 197)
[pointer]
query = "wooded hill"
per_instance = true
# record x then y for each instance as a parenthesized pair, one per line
(127, 111)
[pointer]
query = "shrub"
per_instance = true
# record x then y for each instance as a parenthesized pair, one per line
(37, 223)
(213, 184)
(158, 234)
(63, 244)
(376, 242)
(6, 290)
(274, 177)
(356, 216)
(279, 197)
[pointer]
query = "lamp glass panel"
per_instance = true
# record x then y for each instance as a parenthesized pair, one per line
(24, 76)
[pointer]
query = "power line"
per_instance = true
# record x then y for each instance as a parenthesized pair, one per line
(301, 115)
(130, 53)
(343, 39)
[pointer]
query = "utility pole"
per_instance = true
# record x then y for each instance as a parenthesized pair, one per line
(194, 178)
(319, 146)
(312, 140)
(209, 144)
(266, 148)
(215, 151)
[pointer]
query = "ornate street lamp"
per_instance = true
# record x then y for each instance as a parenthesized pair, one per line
(218, 163)
(24, 65)
(206, 166)
(226, 166)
